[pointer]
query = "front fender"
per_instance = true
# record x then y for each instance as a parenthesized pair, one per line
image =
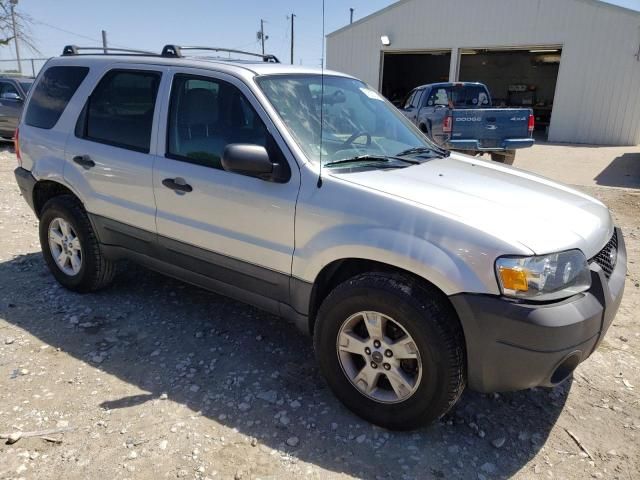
(447, 270)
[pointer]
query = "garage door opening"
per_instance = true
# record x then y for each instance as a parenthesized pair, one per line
(516, 78)
(402, 72)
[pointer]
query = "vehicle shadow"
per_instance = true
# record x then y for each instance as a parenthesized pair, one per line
(7, 145)
(242, 368)
(623, 171)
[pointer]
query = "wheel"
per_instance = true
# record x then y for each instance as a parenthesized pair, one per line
(507, 157)
(70, 246)
(391, 349)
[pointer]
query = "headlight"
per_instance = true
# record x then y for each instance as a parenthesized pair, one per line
(544, 277)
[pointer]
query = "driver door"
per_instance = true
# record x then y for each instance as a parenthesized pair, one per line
(411, 108)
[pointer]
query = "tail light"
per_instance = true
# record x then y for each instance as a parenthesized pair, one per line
(446, 124)
(532, 123)
(16, 145)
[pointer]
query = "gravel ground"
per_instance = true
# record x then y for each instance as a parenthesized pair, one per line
(158, 379)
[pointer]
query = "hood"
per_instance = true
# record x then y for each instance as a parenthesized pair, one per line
(508, 203)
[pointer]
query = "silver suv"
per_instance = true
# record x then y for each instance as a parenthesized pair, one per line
(307, 194)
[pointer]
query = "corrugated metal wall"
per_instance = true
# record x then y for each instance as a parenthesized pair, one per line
(597, 97)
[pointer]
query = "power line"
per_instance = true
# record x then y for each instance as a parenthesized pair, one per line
(79, 35)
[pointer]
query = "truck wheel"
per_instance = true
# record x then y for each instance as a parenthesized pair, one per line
(507, 157)
(70, 247)
(391, 349)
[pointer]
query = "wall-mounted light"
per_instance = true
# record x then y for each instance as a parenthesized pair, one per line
(385, 40)
(544, 50)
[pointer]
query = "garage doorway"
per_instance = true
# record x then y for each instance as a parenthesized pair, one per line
(403, 71)
(516, 78)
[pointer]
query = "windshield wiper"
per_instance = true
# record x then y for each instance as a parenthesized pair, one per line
(370, 159)
(418, 150)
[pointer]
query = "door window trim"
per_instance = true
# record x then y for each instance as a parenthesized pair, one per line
(80, 130)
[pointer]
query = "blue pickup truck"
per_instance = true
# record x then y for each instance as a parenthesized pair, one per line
(459, 116)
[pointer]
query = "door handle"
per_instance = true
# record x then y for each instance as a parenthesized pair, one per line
(178, 184)
(84, 161)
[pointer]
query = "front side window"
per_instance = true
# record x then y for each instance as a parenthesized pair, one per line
(120, 109)
(52, 93)
(206, 115)
(356, 120)
(6, 87)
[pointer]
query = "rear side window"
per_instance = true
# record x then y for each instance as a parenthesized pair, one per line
(119, 112)
(52, 94)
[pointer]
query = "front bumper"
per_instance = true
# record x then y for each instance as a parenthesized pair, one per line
(26, 182)
(514, 346)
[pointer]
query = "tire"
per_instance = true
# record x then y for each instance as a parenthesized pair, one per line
(95, 271)
(507, 157)
(425, 315)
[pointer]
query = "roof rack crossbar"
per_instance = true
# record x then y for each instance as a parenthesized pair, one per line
(176, 52)
(75, 50)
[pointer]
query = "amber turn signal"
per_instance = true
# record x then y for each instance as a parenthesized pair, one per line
(513, 279)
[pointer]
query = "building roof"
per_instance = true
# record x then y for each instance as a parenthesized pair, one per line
(401, 2)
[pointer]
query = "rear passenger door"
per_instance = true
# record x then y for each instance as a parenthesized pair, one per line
(231, 227)
(109, 157)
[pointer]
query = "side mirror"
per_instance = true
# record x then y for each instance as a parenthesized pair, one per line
(253, 161)
(11, 96)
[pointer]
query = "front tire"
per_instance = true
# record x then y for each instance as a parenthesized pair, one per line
(70, 246)
(391, 349)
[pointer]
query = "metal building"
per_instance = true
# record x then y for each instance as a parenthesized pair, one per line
(575, 62)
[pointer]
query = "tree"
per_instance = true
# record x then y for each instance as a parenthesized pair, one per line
(23, 25)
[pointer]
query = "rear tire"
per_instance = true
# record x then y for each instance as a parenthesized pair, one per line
(70, 246)
(431, 361)
(507, 157)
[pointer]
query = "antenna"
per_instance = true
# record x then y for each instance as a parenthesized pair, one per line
(321, 99)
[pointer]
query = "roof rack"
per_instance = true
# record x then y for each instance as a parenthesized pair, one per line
(175, 51)
(75, 50)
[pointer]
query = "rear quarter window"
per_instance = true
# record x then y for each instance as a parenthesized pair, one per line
(52, 94)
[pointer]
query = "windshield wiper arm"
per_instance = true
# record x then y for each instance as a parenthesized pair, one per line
(370, 158)
(419, 150)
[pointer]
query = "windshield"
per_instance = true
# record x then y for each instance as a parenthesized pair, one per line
(26, 86)
(357, 121)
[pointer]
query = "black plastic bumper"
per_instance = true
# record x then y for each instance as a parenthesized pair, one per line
(514, 346)
(26, 182)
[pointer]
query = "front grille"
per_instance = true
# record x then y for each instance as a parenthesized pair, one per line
(607, 257)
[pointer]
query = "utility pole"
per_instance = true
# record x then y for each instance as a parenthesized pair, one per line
(261, 35)
(15, 33)
(351, 16)
(104, 41)
(292, 17)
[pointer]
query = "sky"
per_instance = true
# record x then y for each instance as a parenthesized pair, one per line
(150, 24)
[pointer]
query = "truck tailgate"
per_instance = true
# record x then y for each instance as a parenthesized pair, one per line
(490, 126)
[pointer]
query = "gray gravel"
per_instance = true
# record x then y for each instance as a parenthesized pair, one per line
(159, 379)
